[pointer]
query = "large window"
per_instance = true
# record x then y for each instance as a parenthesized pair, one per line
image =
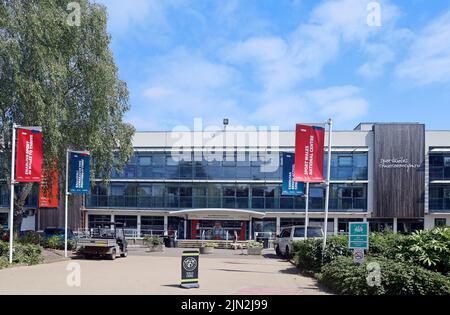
(3, 220)
(440, 166)
(343, 197)
(232, 166)
(96, 220)
(440, 197)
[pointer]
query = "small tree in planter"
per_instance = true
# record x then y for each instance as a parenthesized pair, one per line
(254, 248)
(208, 248)
(154, 243)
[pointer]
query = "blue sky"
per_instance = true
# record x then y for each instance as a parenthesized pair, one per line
(279, 62)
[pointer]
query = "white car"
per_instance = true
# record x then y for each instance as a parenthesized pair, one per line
(294, 233)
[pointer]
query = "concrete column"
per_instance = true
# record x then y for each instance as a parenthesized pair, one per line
(395, 227)
(365, 219)
(166, 225)
(278, 230)
(139, 225)
(336, 226)
(250, 230)
(185, 227)
(112, 217)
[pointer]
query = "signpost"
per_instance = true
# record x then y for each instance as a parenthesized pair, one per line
(189, 269)
(359, 235)
(358, 240)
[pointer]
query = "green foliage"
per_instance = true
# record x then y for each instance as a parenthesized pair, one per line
(3, 262)
(308, 254)
(24, 254)
(63, 78)
(396, 278)
(390, 245)
(431, 249)
(255, 244)
(153, 240)
(57, 243)
(31, 238)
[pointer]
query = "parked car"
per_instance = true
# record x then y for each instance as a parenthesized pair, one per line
(284, 241)
(58, 232)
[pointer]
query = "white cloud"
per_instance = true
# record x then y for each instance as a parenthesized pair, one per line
(379, 56)
(429, 55)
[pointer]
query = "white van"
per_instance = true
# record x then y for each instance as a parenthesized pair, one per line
(295, 233)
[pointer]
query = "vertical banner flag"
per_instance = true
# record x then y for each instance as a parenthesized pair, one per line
(309, 154)
(49, 199)
(290, 187)
(29, 155)
(80, 170)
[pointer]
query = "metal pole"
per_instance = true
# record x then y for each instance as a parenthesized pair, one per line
(66, 203)
(327, 196)
(307, 211)
(13, 175)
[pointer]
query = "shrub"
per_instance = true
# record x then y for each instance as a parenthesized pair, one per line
(308, 254)
(3, 262)
(153, 240)
(27, 254)
(254, 244)
(431, 249)
(31, 238)
(54, 242)
(397, 278)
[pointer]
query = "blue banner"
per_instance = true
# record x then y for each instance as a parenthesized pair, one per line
(80, 170)
(290, 188)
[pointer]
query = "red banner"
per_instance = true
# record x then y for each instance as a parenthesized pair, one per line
(49, 199)
(29, 156)
(309, 154)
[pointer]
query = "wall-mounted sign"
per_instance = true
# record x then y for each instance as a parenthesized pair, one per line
(309, 154)
(80, 170)
(402, 163)
(189, 269)
(29, 155)
(290, 187)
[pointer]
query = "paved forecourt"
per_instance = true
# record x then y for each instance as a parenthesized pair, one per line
(224, 273)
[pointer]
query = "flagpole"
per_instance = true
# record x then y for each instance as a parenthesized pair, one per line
(327, 196)
(66, 203)
(307, 211)
(11, 201)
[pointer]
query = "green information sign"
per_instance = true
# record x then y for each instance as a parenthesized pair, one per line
(359, 235)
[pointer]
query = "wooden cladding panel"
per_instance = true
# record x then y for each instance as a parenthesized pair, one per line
(399, 170)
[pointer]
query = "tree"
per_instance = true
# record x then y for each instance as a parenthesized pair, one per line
(62, 77)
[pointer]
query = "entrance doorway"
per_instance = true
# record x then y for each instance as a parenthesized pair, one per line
(219, 230)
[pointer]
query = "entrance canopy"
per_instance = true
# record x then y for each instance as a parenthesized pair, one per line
(219, 214)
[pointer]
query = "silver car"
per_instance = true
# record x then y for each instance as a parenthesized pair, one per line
(295, 233)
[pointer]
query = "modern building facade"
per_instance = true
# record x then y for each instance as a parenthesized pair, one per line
(219, 184)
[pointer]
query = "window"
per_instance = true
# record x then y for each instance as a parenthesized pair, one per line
(447, 161)
(344, 161)
(440, 222)
(145, 160)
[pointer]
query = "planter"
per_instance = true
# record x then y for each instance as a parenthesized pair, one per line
(156, 248)
(206, 250)
(254, 251)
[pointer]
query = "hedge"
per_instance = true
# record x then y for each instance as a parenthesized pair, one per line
(397, 278)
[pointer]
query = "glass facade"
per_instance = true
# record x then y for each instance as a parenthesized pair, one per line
(228, 196)
(241, 166)
(440, 166)
(439, 197)
(152, 166)
(30, 202)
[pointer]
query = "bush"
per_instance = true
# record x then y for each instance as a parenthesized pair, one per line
(57, 242)
(153, 240)
(31, 238)
(308, 254)
(27, 254)
(255, 244)
(3, 262)
(397, 278)
(431, 249)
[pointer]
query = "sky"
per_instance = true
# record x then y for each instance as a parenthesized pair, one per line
(282, 62)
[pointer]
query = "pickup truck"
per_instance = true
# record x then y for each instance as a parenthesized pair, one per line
(107, 239)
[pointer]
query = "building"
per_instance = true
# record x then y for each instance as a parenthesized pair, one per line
(219, 184)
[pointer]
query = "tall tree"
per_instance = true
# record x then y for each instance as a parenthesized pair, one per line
(57, 71)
